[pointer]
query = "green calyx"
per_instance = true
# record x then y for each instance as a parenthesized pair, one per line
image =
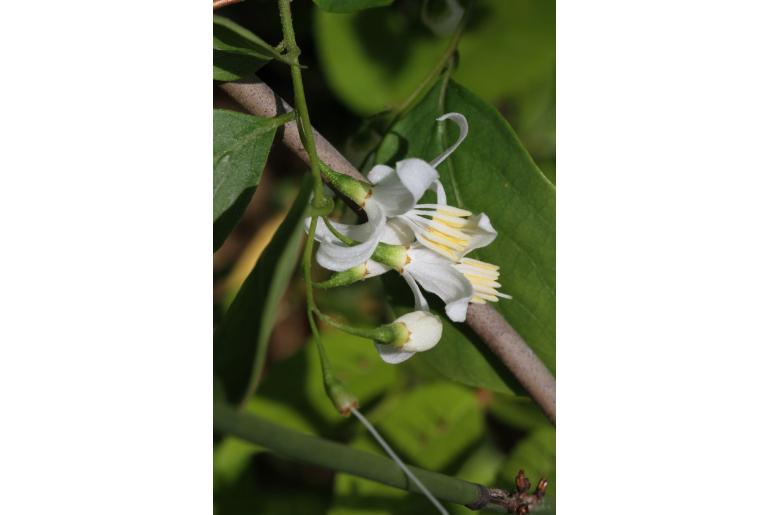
(343, 400)
(394, 256)
(344, 278)
(355, 190)
(399, 333)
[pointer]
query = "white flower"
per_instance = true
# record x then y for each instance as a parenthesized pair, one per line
(456, 281)
(395, 194)
(422, 332)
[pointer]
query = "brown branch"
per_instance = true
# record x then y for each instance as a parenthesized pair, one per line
(257, 98)
(514, 352)
(218, 4)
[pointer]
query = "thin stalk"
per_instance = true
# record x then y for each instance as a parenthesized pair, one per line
(300, 104)
(336, 456)
(344, 239)
(382, 334)
(369, 427)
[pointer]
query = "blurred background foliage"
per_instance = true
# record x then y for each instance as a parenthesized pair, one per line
(358, 65)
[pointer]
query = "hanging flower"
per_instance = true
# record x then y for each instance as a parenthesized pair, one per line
(456, 281)
(394, 194)
(417, 331)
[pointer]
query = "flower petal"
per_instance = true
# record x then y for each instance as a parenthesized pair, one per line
(398, 192)
(393, 355)
(339, 257)
(416, 175)
(440, 192)
(359, 232)
(419, 300)
(397, 232)
(462, 123)
(437, 275)
(378, 173)
(480, 232)
(336, 256)
(373, 269)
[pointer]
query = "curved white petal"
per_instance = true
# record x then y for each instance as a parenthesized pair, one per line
(462, 123)
(437, 275)
(398, 192)
(378, 173)
(392, 196)
(396, 232)
(393, 355)
(440, 192)
(419, 299)
(416, 175)
(336, 256)
(480, 232)
(359, 232)
(373, 269)
(339, 257)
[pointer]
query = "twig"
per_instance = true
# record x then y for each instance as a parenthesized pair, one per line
(336, 456)
(257, 98)
(218, 4)
(514, 352)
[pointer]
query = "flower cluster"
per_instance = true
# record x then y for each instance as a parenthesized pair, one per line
(426, 243)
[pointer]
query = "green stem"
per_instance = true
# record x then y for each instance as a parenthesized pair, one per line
(342, 399)
(336, 456)
(344, 239)
(300, 104)
(281, 119)
(383, 334)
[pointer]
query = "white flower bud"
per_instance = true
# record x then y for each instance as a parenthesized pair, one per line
(424, 331)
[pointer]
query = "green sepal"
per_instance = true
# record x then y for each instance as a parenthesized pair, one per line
(340, 396)
(394, 256)
(354, 189)
(343, 278)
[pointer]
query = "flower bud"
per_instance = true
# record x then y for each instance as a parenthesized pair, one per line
(417, 331)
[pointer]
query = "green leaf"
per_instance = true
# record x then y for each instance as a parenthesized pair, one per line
(241, 145)
(433, 425)
(240, 341)
(517, 412)
(356, 363)
(358, 496)
(375, 59)
(237, 51)
(490, 172)
(349, 6)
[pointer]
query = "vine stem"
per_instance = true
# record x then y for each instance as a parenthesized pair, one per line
(336, 456)
(303, 116)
